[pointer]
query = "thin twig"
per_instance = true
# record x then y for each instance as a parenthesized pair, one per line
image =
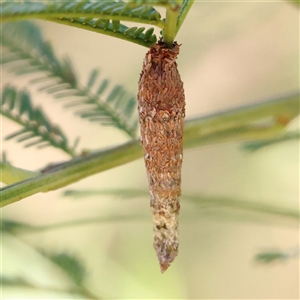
(235, 125)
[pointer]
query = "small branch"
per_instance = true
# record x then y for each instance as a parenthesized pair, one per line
(241, 124)
(71, 171)
(170, 30)
(235, 125)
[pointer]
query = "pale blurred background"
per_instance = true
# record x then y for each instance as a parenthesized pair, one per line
(232, 54)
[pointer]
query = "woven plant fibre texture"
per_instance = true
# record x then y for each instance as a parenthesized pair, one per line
(161, 107)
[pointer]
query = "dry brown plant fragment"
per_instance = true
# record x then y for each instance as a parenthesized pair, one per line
(161, 106)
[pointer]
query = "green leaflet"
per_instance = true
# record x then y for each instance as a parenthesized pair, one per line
(24, 46)
(103, 16)
(108, 9)
(37, 129)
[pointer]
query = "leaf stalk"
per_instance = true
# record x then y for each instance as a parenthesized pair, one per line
(170, 30)
(230, 126)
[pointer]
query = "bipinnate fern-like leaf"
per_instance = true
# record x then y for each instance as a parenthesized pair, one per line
(98, 16)
(103, 17)
(108, 9)
(24, 46)
(25, 51)
(118, 109)
(36, 127)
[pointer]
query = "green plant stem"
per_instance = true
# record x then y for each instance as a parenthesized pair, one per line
(241, 124)
(170, 29)
(231, 126)
(71, 171)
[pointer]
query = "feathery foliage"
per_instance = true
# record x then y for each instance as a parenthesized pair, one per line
(105, 17)
(234, 125)
(17, 106)
(112, 28)
(100, 16)
(25, 52)
(104, 10)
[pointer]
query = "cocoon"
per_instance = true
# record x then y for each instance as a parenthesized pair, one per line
(161, 107)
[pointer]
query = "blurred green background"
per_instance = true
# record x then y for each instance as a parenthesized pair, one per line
(232, 53)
